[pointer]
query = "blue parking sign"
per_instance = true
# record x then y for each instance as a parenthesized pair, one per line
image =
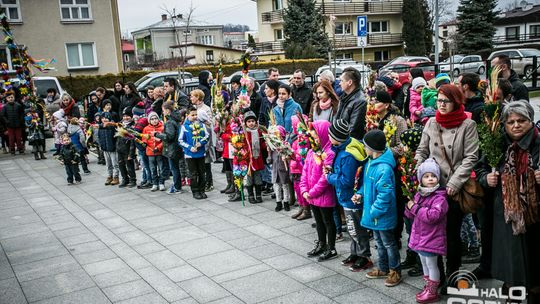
(362, 26)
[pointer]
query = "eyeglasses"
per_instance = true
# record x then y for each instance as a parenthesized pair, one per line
(443, 100)
(154, 118)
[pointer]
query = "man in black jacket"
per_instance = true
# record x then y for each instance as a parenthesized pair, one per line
(519, 90)
(474, 101)
(173, 92)
(301, 92)
(352, 104)
(13, 114)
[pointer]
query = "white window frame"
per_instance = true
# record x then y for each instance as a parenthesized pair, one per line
(276, 31)
(342, 0)
(207, 38)
(83, 67)
(343, 26)
(530, 30)
(380, 26)
(17, 5)
(209, 57)
(8, 57)
(277, 5)
(383, 58)
(77, 6)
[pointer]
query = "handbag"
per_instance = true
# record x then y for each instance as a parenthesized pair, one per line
(471, 193)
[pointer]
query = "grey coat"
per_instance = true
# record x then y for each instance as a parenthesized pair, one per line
(280, 171)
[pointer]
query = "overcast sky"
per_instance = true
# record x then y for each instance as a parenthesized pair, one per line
(136, 14)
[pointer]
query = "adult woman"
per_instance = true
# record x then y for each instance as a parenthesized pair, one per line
(205, 82)
(326, 102)
(130, 98)
(515, 201)
(70, 107)
(452, 140)
(286, 108)
(268, 102)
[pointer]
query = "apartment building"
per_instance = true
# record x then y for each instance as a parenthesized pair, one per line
(83, 36)
(384, 19)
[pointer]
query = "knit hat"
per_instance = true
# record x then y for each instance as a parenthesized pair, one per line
(429, 166)
(249, 115)
(152, 114)
(375, 140)
(339, 130)
(418, 81)
(59, 114)
(441, 78)
(389, 82)
(98, 114)
(384, 97)
(138, 109)
(106, 102)
(128, 111)
(106, 115)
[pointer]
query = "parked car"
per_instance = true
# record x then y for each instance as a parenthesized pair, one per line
(405, 59)
(522, 59)
(42, 84)
(259, 75)
(403, 69)
(364, 70)
(156, 79)
(463, 64)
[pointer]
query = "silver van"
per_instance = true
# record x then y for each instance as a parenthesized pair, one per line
(522, 59)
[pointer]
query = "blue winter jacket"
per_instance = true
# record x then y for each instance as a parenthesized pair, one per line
(284, 119)
(378, 192)
(348, 158)
(185, 139)
(107, 141)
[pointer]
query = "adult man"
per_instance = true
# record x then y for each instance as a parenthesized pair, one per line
(273, 73)
(474, 101)
(173, 92)
(519, 90)
(352, 104)
(301, 92)
(255, 99)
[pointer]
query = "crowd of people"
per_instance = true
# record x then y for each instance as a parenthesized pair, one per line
(343, 167)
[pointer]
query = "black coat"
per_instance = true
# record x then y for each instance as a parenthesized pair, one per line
(179, 97)
(303, 96)
(128, 101)
(255, 101)
(207, 94)
(126, 146)
(352, 108)
(69, 154)
(475, 105)
(171, 131)
(266, 107)
(13, 113)
(519, 90)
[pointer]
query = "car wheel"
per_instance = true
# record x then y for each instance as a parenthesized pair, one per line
(527, 71)
(481, 70)
(456, 73)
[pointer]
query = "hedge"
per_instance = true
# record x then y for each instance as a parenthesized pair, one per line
(80, 86)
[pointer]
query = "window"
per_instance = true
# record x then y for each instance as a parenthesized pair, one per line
(378, 27)
(344, 56)
(382, 55)
(126, 57)
(5, 56)
(209, 55)
(277, 4)
(512, 33)
(12, 9)
(278, 34)
(75, 10)
(186, 33)
(534, 31)
(206, 39)
(343, 28)
(445, 33)
(81, 55)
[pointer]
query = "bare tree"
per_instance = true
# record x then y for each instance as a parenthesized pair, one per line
(446, 9)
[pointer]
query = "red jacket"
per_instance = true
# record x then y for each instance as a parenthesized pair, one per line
(226, 138)
(154, 146)
(256, 164)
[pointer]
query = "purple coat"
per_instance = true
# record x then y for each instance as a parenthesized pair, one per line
(429, 227)
(313, 180)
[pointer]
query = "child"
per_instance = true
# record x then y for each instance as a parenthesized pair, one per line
(59, 128)
(78, 139)
(125, 147)
(257, 148)
(415, 105)
(296, 165)
(318, 193)
(280, 176)
(349, 155)
(377, 193)
(107, 142)
(95, 138)
(428, 236)
(146, 178)
(36, 137)
(193, 138)
(204, 114)
(154, 149)
(69, 157)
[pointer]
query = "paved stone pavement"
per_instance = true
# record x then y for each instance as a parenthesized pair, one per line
(92, 243)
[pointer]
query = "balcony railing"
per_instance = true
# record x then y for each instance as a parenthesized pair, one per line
(344, 8)
(372, 40)
(523, 38)
(266, 47)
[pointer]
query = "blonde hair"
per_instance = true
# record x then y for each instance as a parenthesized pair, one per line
(198, 93)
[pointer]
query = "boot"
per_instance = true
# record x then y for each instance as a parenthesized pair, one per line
(286, 206)
(108, 181)
(123, 184)
(251, 196)
(306, 214)
(258, 194)
(297, 214)
(431, 295)
(36, 156)
(423, 291)
(236, 197)
(115, 181)
(279, 206)
(230, 183)
(410, 260)
(42, 155)
(132, 183)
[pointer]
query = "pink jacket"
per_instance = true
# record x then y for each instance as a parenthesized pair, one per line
(313, 181)
(295, 165)
(415, 104)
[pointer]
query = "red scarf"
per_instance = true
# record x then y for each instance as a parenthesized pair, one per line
(68, 108)
(452, 119)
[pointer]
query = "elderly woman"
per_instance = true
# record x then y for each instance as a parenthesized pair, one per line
(515, 190)
(70, 107)
(452, 140)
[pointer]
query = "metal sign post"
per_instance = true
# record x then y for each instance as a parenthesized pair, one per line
(362, 33)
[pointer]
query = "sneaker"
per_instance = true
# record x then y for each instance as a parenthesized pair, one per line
(318, 249)
(339, 238)
(393, 279)
(144, 186)
(161, 187)
(351, 259)
(376, 274)
(197, 196)
(78, 182)
(360, 264)
(328, 254)
(154, 188)
(172, 190)
(416, 271)
(208, 188)
(70, 183)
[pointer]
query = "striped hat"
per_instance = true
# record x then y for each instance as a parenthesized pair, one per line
(442, 78)
(339, 130)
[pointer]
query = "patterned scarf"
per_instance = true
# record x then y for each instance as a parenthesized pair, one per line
(255, 145)
(519, 191)
(426, 191)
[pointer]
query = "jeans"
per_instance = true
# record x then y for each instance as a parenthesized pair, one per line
(282, 193)
(166, 173)
(111, 158)
(146, 174)
(208, 175)
(156, 167)
(337, 219)
(326, 228)
(359, 235)
(72, 170)
(127, 168)
(387, 250)
(174, 165)
(196, 168)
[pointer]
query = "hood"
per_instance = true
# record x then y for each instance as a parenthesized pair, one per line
(386, 158)
(72, 129)
(152, 114)
(356, 149)
(59, 114)
(321, 127)
(203, 78)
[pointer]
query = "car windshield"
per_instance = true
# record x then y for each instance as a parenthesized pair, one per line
(398, 60)
(141, 80)
(528, 53)
(455, 58)
(42, 85)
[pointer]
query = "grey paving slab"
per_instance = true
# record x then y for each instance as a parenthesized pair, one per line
(104, 266)
(11, 293)
(179, 235)
(287, 261)
(223, 262)
(36, 253)
(56, 285)
(243, 272)
(135, 238)
(165, 259)
(46, 267)
(199, 247)
(91, 295)
(266, 251)
(299, 297)
(21, 230)
(364, 295)
(148, 247)
(203, 289)
(87, 247)
(162, 284)
(249, 242)
(333, 286)
(151, 298)
(310, 272)
(127, 290)
(227, 300)
(182, 273)
(116, 277)
(94, 256)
